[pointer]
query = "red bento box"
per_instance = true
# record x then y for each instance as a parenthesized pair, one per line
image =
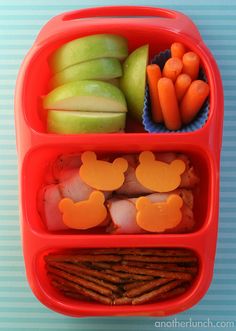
(140, 25)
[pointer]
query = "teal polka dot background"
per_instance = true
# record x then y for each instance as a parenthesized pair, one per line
(20, 21)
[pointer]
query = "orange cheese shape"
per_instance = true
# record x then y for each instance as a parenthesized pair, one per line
(159, 216)
(102, 175)
(85, 214)
(159, 176)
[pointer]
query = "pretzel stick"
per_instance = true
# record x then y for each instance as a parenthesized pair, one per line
(56, 283)
(84, 291)
(101, 265)
(80, 281)
(122, 275)
(155, 293)
(146, 287)
(144, 251)
(101, 282)
(159, 252)
(82, 258)
(80, 297)
(168, 259)
(66, 289)
(132, 285)
(153, 272)
(94, 273)
(159, 266)
(145, 264)
(73, 269)
(191, 270)
(128, 276)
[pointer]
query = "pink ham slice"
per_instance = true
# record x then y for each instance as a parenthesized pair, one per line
(73, 188)
(131, 185)
(123, 213)
(49, 208)
(65, 165)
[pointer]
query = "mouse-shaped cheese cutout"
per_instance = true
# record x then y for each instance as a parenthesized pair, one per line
(159, 176)
(159, 216)
(84, 214)
(102, 175)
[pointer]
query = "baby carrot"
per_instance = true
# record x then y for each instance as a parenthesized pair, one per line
(182, 83)
(172, 68)
(193, 100)
(191, 64)
(169, 104)
(153, 76)
(177, 50)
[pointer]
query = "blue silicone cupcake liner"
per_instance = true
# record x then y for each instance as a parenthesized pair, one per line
(153, 127)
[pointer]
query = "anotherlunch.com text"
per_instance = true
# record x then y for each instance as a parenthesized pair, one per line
(190, 323)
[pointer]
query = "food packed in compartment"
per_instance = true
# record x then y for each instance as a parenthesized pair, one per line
(120, 194)
(96, 82)
(84, 93)
(177, 91)
(120, 276)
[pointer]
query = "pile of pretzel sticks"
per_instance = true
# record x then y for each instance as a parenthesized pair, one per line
(122, 276)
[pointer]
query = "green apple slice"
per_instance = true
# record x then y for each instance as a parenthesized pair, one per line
(133, 81)
(73, 122)
(88, 48)
(86, 95)
(98, 69)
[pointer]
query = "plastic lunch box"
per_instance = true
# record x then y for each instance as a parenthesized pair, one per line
(140, 25)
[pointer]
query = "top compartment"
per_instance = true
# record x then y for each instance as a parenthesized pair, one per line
(159, 32)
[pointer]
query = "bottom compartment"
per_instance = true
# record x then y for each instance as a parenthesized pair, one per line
(118, 281)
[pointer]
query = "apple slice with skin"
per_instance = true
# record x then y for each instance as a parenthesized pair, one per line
(98, 69)
(133, 81)
(86, 95)
(88, 48)
(75, 122)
